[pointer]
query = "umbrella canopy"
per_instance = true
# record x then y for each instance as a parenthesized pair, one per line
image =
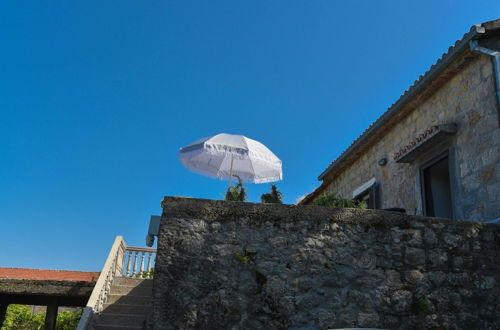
(225, 155)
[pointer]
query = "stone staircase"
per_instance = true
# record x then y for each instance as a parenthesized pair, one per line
(127, 306)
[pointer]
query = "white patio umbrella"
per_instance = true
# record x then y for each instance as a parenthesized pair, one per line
(223, 156)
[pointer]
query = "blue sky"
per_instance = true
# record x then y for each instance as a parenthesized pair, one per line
(96, 97)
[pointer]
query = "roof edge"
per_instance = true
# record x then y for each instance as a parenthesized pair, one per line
(474, 32)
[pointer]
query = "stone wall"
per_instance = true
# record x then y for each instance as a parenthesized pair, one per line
(231, 265)
(467, 99)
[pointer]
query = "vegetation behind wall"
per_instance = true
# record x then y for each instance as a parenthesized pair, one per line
(20, 317)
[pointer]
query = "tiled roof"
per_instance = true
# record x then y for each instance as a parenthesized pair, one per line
(417, 86)
(421, 79)
(45, 274)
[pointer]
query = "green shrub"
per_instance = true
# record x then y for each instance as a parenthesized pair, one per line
(236, 193)
(273, 197)
(68, 320)
(334, 201)
(19, 317)
(245, 256)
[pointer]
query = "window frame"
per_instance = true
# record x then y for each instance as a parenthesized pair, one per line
(432, 161)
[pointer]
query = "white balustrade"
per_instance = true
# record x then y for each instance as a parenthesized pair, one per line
(113, 267)
(134, 259)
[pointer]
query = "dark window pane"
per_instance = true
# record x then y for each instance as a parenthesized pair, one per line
(437, 189)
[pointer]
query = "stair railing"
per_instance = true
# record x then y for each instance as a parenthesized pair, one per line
(113, 267)
(140, 262)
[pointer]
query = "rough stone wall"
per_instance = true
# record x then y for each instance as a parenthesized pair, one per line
(468, 99)
(231, 265)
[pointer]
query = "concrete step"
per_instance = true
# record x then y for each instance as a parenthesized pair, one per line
(128, 300)
(127, 309)
(131, 290)
(117, 327)
(131, 281)
(121, 319)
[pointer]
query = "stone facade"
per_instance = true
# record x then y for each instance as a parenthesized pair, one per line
(467, 98)
(231, 265)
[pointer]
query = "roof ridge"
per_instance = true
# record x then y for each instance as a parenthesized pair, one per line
(435, 69)
(446, 57)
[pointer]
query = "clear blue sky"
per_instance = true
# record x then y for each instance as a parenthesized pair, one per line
(96, 97)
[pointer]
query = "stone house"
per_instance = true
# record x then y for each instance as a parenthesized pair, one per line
(436, 150)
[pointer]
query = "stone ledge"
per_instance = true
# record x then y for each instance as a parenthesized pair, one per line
(219, 210)
(45, 287)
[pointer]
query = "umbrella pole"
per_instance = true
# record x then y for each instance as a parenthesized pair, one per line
(230, 172)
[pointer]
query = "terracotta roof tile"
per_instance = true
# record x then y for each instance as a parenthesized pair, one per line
(46, 274)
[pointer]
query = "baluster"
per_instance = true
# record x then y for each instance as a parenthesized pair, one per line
(148, 268)
(121, 261)
(112, 272)
(141, 268)
(124, 262)
(115, 263)
(128, 263)
(98, 307)
(103, 295)
(134, 264)
(107, 288)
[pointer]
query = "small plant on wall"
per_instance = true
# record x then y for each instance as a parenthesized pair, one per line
(236, 193)
(334, 201)
(245, 256)
(273, 197)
